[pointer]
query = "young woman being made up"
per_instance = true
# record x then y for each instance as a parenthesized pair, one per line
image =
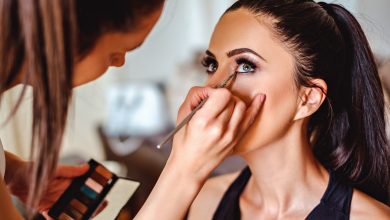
(318, 149)
(55, 45)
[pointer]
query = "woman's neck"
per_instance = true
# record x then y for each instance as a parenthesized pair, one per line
(285, 175)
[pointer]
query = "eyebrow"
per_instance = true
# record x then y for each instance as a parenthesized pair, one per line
(244, 50)
(209, 53)
(237, 52)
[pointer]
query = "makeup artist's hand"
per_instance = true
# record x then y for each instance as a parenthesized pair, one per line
(61, 180)
(213, 131)
(198, 148)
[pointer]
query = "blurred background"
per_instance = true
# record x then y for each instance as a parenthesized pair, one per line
(119, 118)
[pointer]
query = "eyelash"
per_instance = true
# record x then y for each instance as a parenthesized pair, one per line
(209, 62)
(245, 61)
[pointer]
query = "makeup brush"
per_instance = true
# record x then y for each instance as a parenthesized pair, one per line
(189, 116)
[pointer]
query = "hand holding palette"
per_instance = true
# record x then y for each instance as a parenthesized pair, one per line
(84, 195)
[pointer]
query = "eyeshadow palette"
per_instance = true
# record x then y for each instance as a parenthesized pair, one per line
(84, 195)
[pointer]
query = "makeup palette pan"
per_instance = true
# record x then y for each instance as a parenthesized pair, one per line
(85, 194)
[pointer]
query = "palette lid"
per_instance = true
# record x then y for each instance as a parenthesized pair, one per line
(118, 196)
(2, 161)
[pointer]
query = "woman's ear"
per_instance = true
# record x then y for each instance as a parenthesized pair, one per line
(311, 98)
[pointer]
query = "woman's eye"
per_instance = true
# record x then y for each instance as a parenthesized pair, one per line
(210, 65)
(212, 68)
(245, 68)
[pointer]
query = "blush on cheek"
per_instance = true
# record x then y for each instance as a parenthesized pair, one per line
(247, 88)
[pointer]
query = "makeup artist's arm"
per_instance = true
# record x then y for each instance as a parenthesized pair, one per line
(17, 180)
(15, 166)
(7, 209)
(198, 149)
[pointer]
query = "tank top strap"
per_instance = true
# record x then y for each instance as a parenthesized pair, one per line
(336, 201)
(229, 207)
(338, 194)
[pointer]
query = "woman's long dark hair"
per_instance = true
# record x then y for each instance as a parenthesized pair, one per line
(44, 37)
(347, 133)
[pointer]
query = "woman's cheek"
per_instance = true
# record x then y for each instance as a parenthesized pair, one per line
(276, 113)
(247, 87)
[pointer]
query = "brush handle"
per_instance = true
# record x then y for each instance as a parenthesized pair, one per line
(181, 125)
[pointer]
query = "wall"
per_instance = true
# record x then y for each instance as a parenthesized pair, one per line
(373, 16)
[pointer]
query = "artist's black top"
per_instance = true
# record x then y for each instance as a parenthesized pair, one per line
(335, 203)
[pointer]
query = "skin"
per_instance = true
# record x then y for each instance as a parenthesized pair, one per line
(198, 148)
(287, 182)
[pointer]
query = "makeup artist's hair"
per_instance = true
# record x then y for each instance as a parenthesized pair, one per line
(44, 37)
(348, 131)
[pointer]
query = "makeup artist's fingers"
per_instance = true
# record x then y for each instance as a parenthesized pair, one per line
(101, 207)
(197, 94)
(216, 127)
(223, 119)
(66, 171)
(46, 215)
(193, 98)
(217, 101)
(235, 120)
(251, 114)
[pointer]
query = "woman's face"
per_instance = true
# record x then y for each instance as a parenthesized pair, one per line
(110, 50)
(244, 43)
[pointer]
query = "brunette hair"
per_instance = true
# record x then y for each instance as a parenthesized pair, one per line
(44, 37)
(347, 133)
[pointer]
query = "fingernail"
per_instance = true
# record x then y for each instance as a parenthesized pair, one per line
(260, 98)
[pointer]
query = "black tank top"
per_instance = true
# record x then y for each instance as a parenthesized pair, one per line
(335, 204)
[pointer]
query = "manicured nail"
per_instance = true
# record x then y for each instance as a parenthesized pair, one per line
(263, 97)
(259, 98)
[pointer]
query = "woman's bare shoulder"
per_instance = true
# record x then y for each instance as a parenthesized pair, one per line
(210, 195)
(365, 207)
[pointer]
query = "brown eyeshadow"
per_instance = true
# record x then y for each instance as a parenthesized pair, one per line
(73, 212)
(99, 178)
(64, 216)
(104, 172)
(76, 204)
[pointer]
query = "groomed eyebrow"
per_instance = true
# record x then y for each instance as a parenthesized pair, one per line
(237, 52)
(209, 53)
(243, 50)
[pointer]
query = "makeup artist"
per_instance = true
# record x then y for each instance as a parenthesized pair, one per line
(55, 45)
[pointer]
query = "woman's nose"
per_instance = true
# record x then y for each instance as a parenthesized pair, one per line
(118, 60)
